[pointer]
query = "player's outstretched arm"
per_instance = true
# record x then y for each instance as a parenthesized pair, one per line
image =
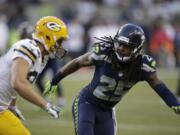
(166, 94)
(72, 66)
(22, 86)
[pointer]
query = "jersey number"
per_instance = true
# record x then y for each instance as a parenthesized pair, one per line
(109, 85)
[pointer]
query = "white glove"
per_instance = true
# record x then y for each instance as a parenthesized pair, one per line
(176, 109)
(17, 112)
(53, 110)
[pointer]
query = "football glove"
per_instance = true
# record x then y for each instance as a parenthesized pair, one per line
(49, 89)
(53, 110)
(176, 109)
(17, 112)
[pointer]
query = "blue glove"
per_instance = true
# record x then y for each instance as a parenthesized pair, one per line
(176, 109)
(49, 89)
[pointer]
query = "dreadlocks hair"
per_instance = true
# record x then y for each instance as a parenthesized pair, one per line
(108, 42)
(131, 70)
(105, 39)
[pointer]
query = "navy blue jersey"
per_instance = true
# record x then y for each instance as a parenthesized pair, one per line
(108, 84)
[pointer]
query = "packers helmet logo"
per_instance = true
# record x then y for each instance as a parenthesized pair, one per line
(53, 26)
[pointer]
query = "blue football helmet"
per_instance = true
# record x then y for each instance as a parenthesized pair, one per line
(132, 36)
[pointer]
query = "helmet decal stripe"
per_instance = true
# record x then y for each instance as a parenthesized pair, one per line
(125, 39)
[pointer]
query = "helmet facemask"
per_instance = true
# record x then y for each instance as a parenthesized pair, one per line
(57, 50)
(123, 56)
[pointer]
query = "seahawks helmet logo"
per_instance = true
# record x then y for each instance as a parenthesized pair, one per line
(53, 26)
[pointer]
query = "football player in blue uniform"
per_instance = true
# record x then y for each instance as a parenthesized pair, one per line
(119, 65)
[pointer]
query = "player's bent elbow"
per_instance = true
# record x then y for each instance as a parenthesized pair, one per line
(16, 84)
(76, 63)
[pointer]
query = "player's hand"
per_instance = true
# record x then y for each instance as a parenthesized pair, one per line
(53, 110)
(176, 109)
(17, 112)
(49, 88)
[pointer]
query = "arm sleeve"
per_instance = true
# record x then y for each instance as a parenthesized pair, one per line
(169, 98)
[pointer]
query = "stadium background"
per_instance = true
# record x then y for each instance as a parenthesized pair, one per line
(141, 112)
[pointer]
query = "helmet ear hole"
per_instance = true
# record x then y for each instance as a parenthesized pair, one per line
(47, 37)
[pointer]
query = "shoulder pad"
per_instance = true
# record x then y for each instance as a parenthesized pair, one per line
(100, 53)
(100, 48)
(148, 63)
(28, 49)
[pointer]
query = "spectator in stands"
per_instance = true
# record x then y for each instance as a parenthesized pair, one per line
(161, 45)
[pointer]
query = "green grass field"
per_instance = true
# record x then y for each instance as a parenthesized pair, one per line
(141, 111)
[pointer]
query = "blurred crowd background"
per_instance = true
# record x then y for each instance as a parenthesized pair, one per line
(87, 19)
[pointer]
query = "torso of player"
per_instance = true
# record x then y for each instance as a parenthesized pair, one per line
(107, 86)
(29, 51)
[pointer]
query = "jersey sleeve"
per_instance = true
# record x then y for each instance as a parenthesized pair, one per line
(98, 54)
(148, 66)
(26, 51)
